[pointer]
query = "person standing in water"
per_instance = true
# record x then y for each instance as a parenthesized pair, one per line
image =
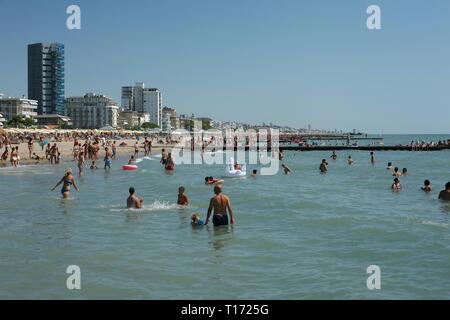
(30, 147)
(80, 163)
(426, 186)
(445, 194)
(350, 160)
(67, 181)
(133, 201)
(220, 204)
(323, 166)
(114, 150)
(372, 157)
(286, 169)
(107, 158)
(182, 198)
(396, 185)
(333, 155)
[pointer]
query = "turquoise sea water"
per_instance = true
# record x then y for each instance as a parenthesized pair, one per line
(304, 236)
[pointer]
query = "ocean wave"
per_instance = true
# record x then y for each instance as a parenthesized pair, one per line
(156, 205)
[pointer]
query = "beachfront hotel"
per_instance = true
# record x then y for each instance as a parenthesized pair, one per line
(92, 111)
(11, 107)
(143, 100)
(46, 77)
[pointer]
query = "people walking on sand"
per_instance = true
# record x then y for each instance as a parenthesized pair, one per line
(107, 159)
(426, 186)
(220, 204)
(182, 198)
(30, 147)
(396, 184)
(133, 201)
(80, 163)
(323, 166)
(67, 180)
(445, 194)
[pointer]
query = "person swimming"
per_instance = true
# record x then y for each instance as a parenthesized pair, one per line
(445, 194)
(211, 180)
(396, 173)
(350, 161)
(132, 161)
(182, 198)
(323, 166)
(286, 169)
(333, 155)
(196, 221)
(133, 201)
(220, 204)
(396, 185)
(426, 186)
(404, 171)
(67, 181)
(390, 166)
(254, 173)
(237, 166)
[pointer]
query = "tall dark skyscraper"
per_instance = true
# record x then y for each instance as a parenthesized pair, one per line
(46, 77)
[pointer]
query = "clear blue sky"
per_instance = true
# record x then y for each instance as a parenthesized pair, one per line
(290, 62)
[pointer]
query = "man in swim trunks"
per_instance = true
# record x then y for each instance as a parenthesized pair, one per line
(163, 157)
(323, 166)
(445, 194)
(133, 201)
(114, 150)
(107, 158)
(220, 203)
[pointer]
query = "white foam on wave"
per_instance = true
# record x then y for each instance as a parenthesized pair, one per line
(156, 205)
(139, 160)
(436, 224)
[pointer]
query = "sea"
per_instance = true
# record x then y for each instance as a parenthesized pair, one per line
(301, 236)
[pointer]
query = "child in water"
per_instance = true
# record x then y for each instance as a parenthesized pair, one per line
(182, 198)
(426, 186)
(195, 220)
(396, 185)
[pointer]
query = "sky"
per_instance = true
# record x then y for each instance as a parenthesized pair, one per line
(287, 62)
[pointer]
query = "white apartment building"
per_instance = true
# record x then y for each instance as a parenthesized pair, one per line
(10, 107)
(143, 100)
(92, 111)
(152, 104)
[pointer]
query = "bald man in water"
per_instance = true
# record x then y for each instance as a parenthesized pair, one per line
(220, 203)
(445, 194)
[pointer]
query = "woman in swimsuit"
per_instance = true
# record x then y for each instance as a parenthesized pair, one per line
(67, 181)
(30, 147)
